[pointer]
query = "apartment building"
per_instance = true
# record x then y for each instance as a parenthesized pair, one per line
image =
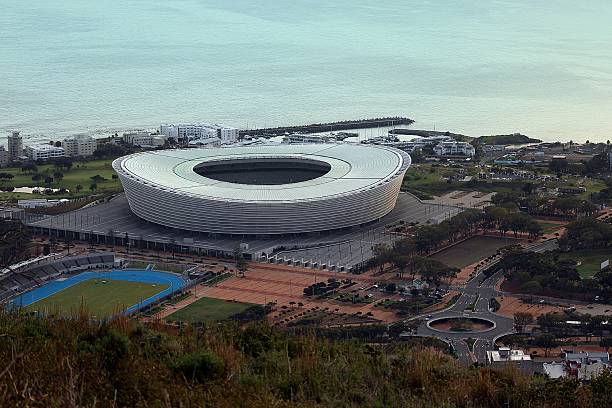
(185, 133)
(15, 146)
(44, 152)
(4, 157)
(79, 146)
(144, 139)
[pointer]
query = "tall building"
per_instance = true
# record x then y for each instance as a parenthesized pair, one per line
(185, 133)
(15, 146)
(4, 157)
(79, 146)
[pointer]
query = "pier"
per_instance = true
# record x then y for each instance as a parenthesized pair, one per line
(328, 127)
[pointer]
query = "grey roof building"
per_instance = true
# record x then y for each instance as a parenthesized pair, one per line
(264, 190)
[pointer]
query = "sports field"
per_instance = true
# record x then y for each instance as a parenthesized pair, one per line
(471, 250)
(208, 310)
(99, 298)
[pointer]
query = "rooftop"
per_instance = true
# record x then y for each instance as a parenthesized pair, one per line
(352, 168)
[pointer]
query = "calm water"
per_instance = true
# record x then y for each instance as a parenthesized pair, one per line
(478, 67)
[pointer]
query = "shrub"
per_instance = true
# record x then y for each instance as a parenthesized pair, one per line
(200, 366)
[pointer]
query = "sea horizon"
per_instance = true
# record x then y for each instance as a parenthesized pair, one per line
(470, 67)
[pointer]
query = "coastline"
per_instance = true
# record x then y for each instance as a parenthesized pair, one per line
(367, 128)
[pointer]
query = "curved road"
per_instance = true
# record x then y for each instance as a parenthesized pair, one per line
(477, 294)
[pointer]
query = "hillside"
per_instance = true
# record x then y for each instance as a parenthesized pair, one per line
(61, 363)
(515, 138)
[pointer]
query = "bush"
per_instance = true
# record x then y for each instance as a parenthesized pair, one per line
(201, 366)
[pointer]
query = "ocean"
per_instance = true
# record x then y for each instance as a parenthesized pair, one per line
(476, 67)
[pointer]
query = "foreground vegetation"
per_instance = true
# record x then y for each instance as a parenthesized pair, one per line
(60, 363)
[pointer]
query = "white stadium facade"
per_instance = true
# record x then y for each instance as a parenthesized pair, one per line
(265, 189)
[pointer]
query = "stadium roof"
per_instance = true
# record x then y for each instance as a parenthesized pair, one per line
(353, 168)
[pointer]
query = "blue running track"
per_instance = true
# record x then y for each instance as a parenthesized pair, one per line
(175, 283)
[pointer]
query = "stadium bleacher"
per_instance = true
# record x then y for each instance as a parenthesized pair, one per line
(24, 276)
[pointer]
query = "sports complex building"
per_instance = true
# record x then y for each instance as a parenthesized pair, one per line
(315, 205)
(264, 190)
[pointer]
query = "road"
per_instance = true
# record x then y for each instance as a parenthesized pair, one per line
(474, 303)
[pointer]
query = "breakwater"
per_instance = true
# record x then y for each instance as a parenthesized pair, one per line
(328, 127)
(424, 133)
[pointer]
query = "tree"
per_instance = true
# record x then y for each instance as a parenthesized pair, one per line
(97, 178)
(400, 262)
(606, 342)
(127, 243)
(241, 263)
(521, 320)
(14, 242)
(382, 255)
(79, 188)
(546, 341)
(532, 287)
(29, 168)
(58, 175)
(558, 165)
(93, 187)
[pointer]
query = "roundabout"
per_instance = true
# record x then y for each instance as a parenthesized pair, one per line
(466, 325)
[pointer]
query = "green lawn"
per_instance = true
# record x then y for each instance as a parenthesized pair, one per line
(549, 227)
(98, 297)
(208, 310)
(80, 173)
(590, 260)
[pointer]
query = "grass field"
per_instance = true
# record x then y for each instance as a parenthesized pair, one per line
(80, 173)
(208, 310)
(471, 250)
(97, 298)
(549, 227)
(590, 260)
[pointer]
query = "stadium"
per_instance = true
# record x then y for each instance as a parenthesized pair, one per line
(94, 283)
(264, 190)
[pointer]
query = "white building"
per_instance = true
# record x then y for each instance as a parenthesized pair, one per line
(15, 146)
(44, 152)
(144, 139)
(454, 148)
(79, 146)
(554, 369)
(4, 157)
(185, 133)
(583, 366)
(505, 355)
